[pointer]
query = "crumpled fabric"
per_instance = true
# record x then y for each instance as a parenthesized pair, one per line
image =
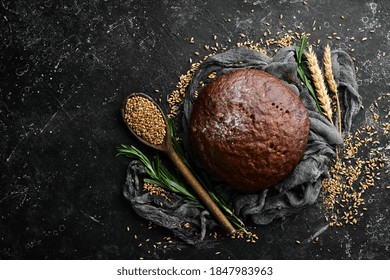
(299, 189)
(185, 219)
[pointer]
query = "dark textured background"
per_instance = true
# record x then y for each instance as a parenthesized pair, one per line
(66, 66)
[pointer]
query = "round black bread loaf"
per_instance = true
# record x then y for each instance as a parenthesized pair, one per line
(249, 129)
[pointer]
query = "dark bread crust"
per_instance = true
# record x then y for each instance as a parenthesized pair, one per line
(249, 129)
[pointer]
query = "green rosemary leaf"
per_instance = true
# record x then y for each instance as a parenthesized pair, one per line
(176, 146)
(158, 173)
(174, 183)
(155, 182)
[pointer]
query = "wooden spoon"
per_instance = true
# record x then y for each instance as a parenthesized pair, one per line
(167, 148)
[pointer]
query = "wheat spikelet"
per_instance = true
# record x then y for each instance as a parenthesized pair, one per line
(328, 70)
(331, 82)
(319, 84)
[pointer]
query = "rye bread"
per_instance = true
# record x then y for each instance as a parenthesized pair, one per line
(249, 129)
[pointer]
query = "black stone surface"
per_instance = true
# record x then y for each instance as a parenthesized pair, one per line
(66, 66)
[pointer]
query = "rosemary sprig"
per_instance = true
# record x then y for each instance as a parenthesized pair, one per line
(301, 72)
(158, 173)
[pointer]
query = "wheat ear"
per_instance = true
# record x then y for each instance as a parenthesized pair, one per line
(331, 82)
(319, 84)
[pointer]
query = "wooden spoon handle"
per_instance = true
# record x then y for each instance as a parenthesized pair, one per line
(201, 192)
